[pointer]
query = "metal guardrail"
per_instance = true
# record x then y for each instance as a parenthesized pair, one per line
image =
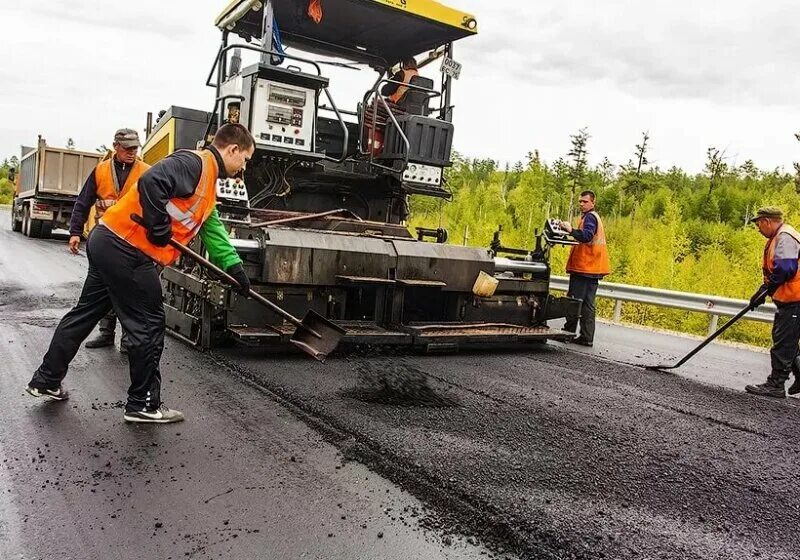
(715, 306)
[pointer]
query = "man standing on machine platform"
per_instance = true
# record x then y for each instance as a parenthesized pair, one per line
(587, 264)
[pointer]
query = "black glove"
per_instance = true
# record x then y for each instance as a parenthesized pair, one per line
(159, 239)
(237, 271)
(760, 297)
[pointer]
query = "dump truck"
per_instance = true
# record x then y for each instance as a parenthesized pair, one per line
(48, 182)
(320, 215)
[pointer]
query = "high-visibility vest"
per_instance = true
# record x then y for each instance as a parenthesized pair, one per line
(187, 214)
(108, 188)
(788, 292)
(591, 257)
(401, 90)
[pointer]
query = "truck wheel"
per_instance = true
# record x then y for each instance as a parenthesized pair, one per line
(26, 221)
(36, 228)
(16, 225)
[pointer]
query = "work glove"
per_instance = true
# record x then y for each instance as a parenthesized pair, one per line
(237, 271)
(760, 297)
(159, 239)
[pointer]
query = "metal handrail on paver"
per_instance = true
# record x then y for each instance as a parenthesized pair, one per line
(715, 306)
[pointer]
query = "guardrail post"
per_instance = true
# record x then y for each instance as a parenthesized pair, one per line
(712, 325)
(617, 310)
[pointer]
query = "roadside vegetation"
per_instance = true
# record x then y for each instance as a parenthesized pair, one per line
(6, 186)
(665, 228)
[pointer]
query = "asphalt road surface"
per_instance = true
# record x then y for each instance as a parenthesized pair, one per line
(554, 452)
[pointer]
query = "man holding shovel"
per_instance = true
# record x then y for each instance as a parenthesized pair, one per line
(782, 283)
(176, 199)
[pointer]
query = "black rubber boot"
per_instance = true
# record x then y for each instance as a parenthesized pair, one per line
(772, 388)
(101, 341)
(123, 343)
(795, 387)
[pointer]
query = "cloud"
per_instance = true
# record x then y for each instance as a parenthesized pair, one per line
(103, 16)
(744, 54)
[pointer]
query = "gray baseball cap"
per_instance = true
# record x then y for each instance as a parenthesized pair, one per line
(768, 212)
(127, 138)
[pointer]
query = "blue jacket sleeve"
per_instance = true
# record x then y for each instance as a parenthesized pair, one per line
(586, 234)
(86, 199)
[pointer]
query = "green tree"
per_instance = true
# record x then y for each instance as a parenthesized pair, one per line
(577, 171)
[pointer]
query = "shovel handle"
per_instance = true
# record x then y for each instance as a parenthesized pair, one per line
(228, 278)
(714, 335)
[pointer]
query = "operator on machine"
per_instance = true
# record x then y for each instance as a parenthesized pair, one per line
(176, 198)
(395, 90)
(106, 184)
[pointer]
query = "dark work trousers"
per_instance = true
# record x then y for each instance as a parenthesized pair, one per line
(785, 337)
(583, 288)
(125, 279)
(107, 326)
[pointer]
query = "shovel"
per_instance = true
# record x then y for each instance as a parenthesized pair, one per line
(705, 343)
(315, 335)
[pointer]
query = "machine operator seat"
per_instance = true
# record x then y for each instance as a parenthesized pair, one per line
(415, 102)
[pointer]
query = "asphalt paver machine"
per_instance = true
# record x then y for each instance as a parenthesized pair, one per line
(319, 216)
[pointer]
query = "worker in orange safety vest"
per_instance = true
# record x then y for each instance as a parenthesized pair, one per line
(176, 199)
(782, 283)
(588, 262)
(107, 183)
(395, 90)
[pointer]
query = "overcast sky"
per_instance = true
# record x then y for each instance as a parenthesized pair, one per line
(693, 74)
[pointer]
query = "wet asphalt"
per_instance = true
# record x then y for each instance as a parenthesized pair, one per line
(552, 452)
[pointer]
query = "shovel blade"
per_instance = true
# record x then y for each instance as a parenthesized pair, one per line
(317, 336)
(659, 368)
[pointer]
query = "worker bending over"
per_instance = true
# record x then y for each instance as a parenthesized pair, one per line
(782, 283)
(106, 184)
(177, 199)
(587, 264)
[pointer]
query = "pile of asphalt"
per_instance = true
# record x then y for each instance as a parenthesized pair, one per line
(396, 383)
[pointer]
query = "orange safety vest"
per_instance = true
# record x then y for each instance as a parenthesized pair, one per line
(591, 257)
(188, 214)
(108, 188)
(788, 292)
(401, 90)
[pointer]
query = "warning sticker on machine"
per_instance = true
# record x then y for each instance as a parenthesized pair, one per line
(451, 68)
(397, 3)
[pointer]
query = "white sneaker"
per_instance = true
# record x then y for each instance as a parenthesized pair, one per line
(57, 394)
(161, 415)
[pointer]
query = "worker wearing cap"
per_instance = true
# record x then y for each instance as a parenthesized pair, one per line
(106, 184)
(174, 199)
(587, 264)
(782, 283)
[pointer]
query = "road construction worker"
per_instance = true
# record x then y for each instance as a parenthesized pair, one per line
(109, 181)
(587, 264)
(176, 198)
(782, 283)
(394, 92)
